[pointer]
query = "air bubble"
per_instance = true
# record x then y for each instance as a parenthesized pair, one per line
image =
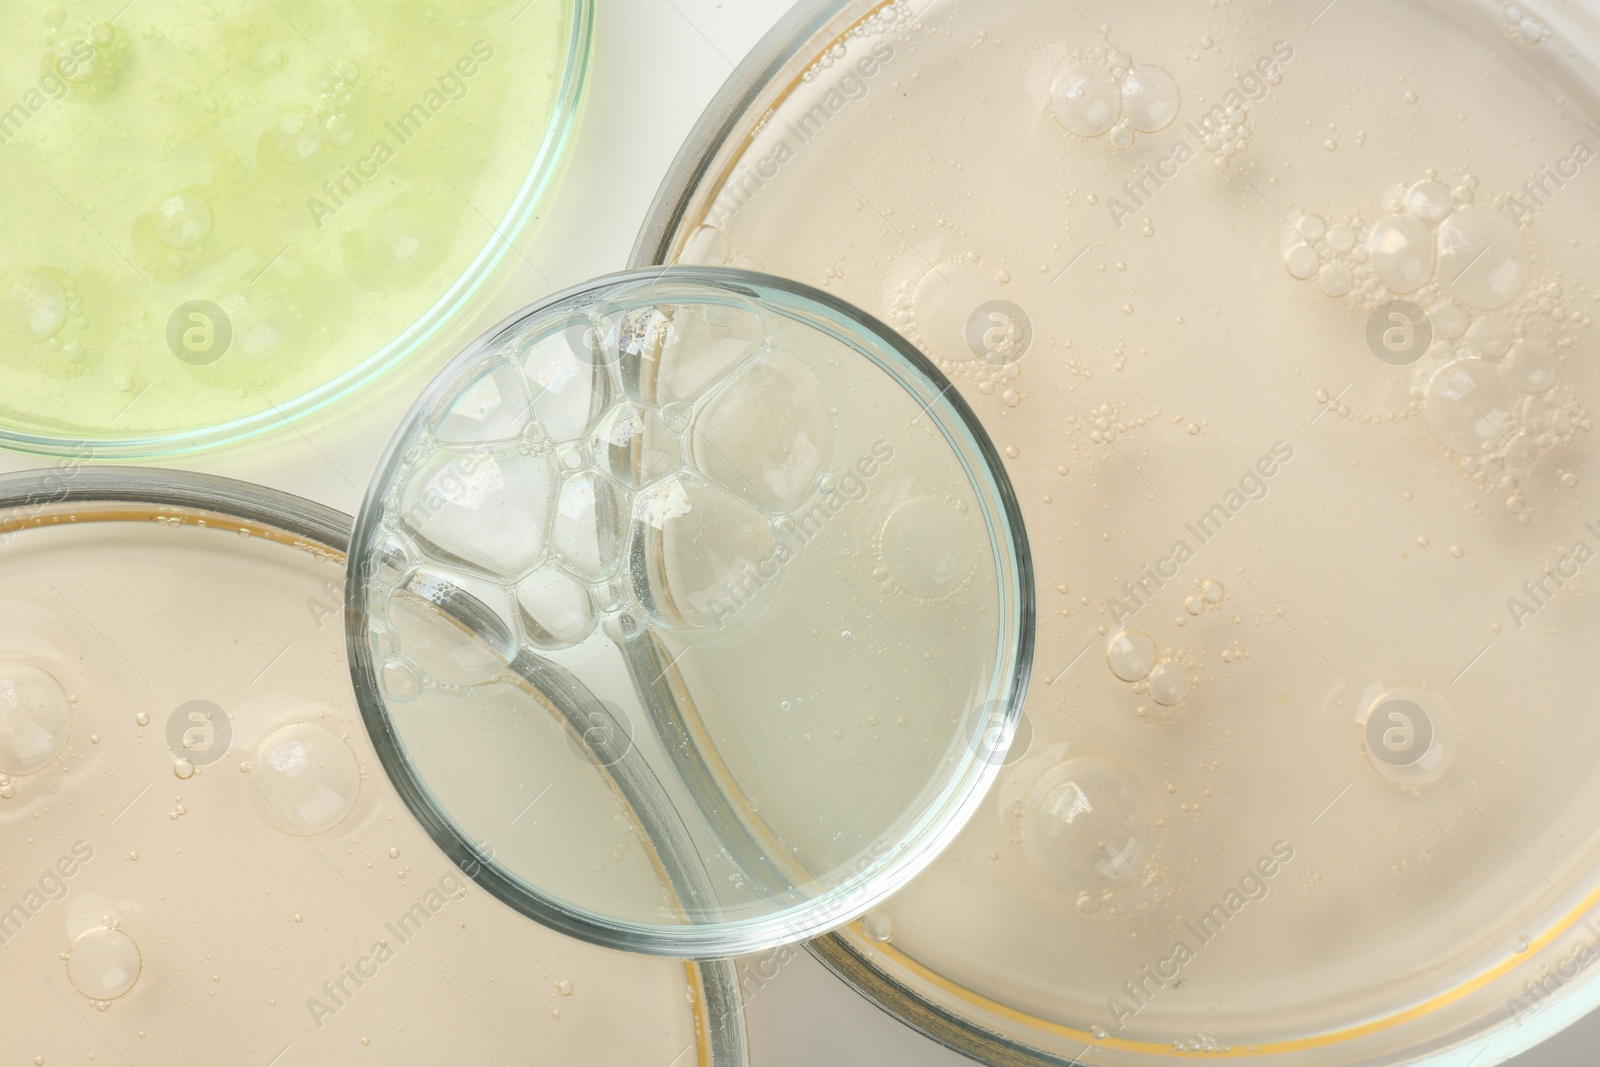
(1483, 258)
(1086, 824)
(696, 534)
(587, 530)
(296, 137)
(878, 926)
(1449, 320)
(702, 345)
(493, 407)
(928, 547)
(1531, 366)
(400, 682)
(1302, 261)
(557, 611)
(1150, 99)
(183, 220)
(1131, 654)
(1087, 99)
(33, 305)
(1402, 253)
(1212, 590)
(1468, 405)
(1169, 683)
(1334, 280)
(35, 718)
(487, 510)
(304, 779)
(634, 445)
(103, 963)
(767, 435)
(1430, 201)
(1491, 336)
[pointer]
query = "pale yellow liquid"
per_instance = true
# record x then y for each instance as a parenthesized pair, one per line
(323, 176)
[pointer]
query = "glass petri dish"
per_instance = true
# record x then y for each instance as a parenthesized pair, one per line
(200, 861)
(1280, 317)
(222, 219)
(734, 596)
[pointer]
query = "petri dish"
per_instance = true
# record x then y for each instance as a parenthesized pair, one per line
(722, 577)
(225, 218)
(201, 860)
(1289, 366)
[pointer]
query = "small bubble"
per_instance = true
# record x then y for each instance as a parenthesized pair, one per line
(846, 635)
(1088, 903)
(1099, 1032)
(183, 769)
(1521, 945)
(1194, 605)
(877, 926)
(1457, 551)
(1169, 683)
(142, 719)
(394, 853)
(1212, 590)
(1131, 654)
(564, 987)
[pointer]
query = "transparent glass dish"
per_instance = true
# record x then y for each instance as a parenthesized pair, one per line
(222, 220)
(173, 763)
(1280, 317)
(721, 577)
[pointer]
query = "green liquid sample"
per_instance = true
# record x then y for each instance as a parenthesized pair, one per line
(220, 212)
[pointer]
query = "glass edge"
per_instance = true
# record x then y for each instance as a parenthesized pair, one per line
(747, 81)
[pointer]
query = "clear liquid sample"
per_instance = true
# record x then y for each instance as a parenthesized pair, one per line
(202, 861)
(215, 212)
(736, 599)
(1282, 322)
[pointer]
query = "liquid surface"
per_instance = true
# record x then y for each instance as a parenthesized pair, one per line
(222, 213)
(1283, 323)
(210, 867)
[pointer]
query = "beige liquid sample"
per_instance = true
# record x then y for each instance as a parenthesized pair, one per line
(203, 862)
(1309, 738)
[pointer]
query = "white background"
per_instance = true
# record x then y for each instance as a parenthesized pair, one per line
(657, 64)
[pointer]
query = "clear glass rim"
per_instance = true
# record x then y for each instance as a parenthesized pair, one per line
(427, 326)
(28, 497)
(932, 834)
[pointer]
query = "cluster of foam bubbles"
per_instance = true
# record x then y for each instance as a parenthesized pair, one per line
(889, 18)
(676, 438)
(1114, 98)
(302, 133)
(1488, 384)
(1522, 26)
